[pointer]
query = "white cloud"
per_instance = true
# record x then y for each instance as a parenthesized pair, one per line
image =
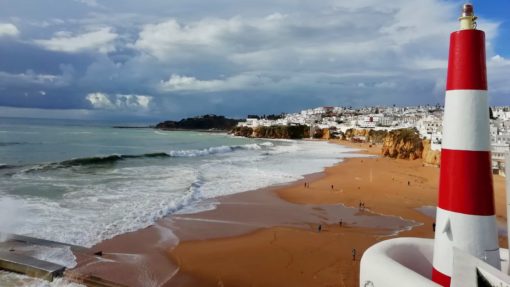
(100, 101)
(29, 77)
(427, 64)
(119, 102)
(498, 69)
(177, 83)
(184, 83)
(215, 36)
(395, 32)
(498, 61)
(8, 29)
(46, 23)
(385, 85)
(276, 17)
(165, 39)
(101, 40)
(91, 3)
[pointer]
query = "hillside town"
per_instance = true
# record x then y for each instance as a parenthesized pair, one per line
(427, 120)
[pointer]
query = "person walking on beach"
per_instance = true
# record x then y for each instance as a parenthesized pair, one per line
(319, 228)
(340, 223)
(332, 187)
(354, 254)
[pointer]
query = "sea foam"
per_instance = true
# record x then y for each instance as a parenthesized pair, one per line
(213, 150)
(89, 204)
(11, 215)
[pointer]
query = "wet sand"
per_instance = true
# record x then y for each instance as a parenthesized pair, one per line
(270, 237)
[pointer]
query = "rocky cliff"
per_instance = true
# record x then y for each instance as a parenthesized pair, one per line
(242, 132)
(274, 132)
(429, 156)
(350, 133)
(326, 134)
(370, 135)
(402, 144)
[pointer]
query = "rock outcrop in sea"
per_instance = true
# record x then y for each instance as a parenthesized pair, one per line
(205, 122)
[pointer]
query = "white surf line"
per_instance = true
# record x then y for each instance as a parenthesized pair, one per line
(166, 235)
(169, 277)
(396, 232)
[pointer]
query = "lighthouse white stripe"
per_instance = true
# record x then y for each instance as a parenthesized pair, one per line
(466, 120)
(474, 234)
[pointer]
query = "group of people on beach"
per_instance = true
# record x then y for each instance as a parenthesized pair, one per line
(361, 206)
(340, 223)
(307, 185)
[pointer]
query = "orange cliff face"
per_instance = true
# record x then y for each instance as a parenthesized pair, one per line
(411, 147)
(429, 156)
(399, 144)
(402, 144)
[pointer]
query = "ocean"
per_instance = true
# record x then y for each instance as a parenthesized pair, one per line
(82, 182)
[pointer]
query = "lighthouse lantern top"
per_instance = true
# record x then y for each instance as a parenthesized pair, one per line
(468, 18)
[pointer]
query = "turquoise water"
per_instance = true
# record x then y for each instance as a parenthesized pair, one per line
(39, 141)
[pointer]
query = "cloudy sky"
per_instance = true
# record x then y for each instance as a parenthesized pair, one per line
(161, 59)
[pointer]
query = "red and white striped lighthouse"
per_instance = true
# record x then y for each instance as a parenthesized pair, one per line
(465, 213)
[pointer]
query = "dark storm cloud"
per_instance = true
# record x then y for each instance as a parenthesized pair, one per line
(18, 57)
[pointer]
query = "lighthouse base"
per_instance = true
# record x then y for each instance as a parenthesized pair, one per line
(408, 262)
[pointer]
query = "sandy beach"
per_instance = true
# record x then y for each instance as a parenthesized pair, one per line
(271, 237)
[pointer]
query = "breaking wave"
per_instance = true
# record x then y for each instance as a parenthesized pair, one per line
(6, 166)
(217, 150)
(114, 158)
(98, 160)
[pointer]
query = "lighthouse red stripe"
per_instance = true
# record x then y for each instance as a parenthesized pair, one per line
(465, 182)
(466, 63)
(440, 278)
